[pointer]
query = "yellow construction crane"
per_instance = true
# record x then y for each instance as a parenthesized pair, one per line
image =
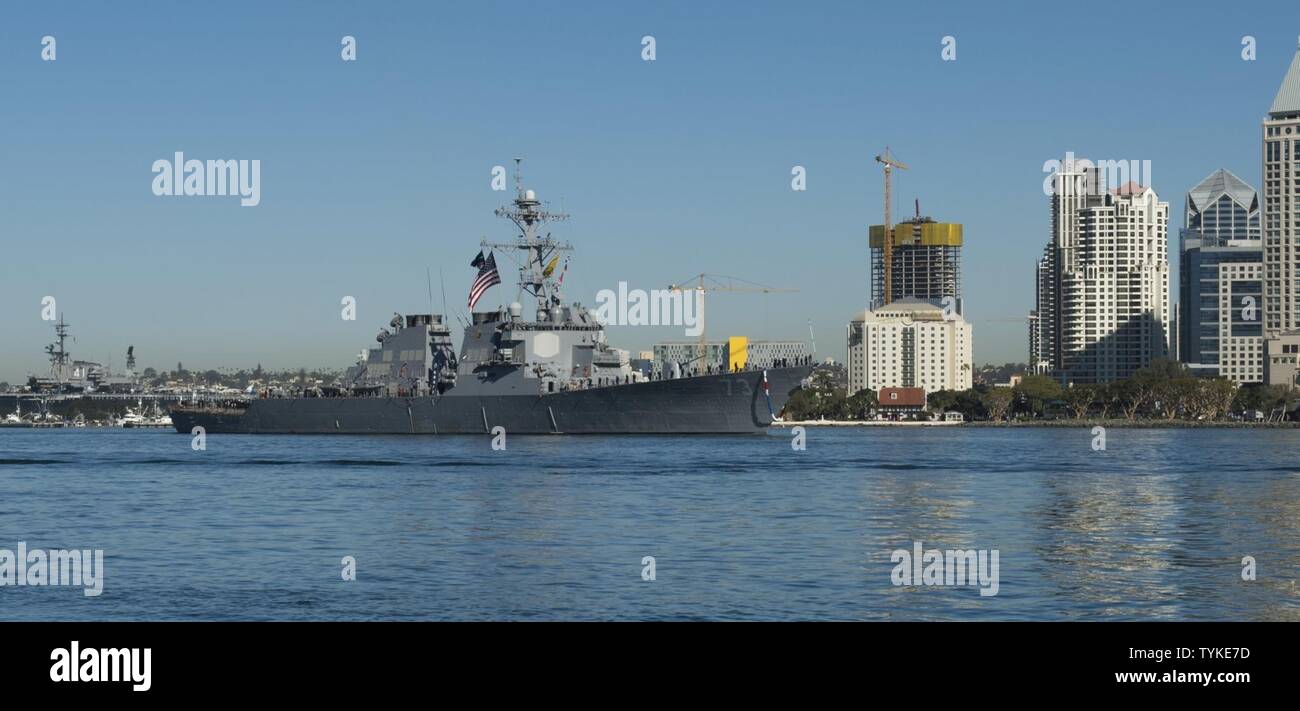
(887, 247)
(718, 282)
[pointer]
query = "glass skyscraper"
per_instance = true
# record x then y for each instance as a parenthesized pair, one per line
(1220, 280)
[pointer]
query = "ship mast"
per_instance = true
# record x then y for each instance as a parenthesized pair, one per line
(58, 354)
(535, 250)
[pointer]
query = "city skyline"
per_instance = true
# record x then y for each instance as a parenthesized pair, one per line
(375, 171)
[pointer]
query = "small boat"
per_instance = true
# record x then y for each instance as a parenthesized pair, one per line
(139, 418)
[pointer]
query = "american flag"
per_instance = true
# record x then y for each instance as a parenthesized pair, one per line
(486, 279)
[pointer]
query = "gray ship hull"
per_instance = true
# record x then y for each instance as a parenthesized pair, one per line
(712, 404)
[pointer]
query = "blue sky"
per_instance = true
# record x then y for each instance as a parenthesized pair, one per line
(374, 171)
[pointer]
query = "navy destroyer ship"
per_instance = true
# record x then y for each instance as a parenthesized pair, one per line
(551, 374)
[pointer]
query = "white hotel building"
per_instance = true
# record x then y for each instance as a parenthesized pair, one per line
(909, 344)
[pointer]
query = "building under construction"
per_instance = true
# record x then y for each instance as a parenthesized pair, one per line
(925, 264)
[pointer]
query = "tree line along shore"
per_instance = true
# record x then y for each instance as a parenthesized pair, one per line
(1164, 394)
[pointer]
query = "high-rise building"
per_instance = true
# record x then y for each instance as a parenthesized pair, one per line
(1222, 207)
(1034, 344)
(926, 263)
(1281, 216)
(1174, 321)
(1103, 281)
(1042, 337)
(1220, 330)
(909, 343)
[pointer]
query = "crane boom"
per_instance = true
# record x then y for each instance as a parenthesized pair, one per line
(887, 245)
(719, 283)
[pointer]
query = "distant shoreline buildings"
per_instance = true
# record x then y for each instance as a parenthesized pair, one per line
(721, 356)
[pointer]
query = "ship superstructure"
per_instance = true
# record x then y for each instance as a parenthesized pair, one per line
(69, 375)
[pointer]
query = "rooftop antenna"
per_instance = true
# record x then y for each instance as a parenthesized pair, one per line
(443, 282)
(812, 337)
(428, 280)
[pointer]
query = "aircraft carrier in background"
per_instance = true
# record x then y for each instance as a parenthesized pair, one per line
(68, 375)
(551, 374)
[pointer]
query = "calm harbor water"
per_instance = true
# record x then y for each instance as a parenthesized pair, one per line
(255, 527)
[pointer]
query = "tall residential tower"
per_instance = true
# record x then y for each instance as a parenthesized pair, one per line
(1281, 189)
(1103, 281)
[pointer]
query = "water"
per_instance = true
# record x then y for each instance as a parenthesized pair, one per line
(255, 527)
